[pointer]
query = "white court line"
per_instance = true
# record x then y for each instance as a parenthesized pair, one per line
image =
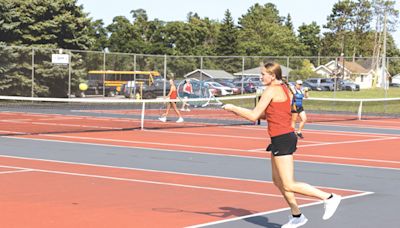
(148, 143)
(325, 132)
(16, 171)
(197, 153)
(336, 143)
(347, 158)
(211, 135)
(382, 121)
(262, 151)
(154, 182)
(347, 142)
(270, 212)
(158, 171)
(357, 125)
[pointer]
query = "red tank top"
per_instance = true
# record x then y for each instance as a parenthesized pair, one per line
(173, 95)
(279, 116)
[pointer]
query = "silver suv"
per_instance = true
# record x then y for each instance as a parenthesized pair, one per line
(322, 84)
(348, 85)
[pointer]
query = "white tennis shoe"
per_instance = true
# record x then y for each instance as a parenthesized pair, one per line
(295, 222)
(163, 119)
(331, 206)
(180, 120)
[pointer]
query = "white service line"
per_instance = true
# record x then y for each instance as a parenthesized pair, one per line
(356, 125)
(336, 143)
(270, 212)
(211, 135)
(148, 143)
(157, 171)
(347, 142)
(156, 183)
(16, 171)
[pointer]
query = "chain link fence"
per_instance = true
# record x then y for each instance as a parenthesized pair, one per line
(32, 72)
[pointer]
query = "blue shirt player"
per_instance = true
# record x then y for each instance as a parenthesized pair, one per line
(299, 93)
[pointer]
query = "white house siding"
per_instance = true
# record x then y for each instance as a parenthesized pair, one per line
(364, 80)
(396, 79)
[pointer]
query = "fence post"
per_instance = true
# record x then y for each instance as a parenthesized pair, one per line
(241, 78)
(69, 74)
(165, 75)
(287, 65)
(33, 73)
(201, 68)
(104, 73)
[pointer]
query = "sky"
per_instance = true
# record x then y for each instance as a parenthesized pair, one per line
(301, 11)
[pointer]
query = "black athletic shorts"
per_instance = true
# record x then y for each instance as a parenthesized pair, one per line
(298, 110)
(283, 144)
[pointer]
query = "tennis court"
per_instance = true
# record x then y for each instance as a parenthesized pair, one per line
(64, 167)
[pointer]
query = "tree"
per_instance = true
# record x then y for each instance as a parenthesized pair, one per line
(288, 22)
(44, 24)
(340, 21)
(309, 35)
(55, 23)
(262, 32)
(227, 39)
(306, 71)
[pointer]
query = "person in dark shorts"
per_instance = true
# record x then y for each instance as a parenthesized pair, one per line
(299, 93)
(275, 107)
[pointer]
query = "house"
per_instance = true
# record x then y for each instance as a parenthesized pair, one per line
(351, 70)
(203, 74)
(396, 79)
(256, 72)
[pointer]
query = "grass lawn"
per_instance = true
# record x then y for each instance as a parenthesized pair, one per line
(393, 92)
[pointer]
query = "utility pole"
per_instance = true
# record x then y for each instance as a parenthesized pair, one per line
(384, 78)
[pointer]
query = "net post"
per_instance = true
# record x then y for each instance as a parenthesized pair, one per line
(142, 116)
(360, 110)
(257, 99)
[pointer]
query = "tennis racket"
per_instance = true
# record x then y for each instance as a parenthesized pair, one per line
(199, 96)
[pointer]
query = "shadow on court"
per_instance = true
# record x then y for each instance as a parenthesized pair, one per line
(262, 222)
(227, 212)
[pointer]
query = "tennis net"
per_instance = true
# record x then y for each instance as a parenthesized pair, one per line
(33, 115)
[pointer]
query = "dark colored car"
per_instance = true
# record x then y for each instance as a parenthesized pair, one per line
(248, 87)
(155, 90)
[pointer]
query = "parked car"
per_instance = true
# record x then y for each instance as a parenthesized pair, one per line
(348, 85)
(321, 84)
(224, 90)
(248, 87)
(155, 90)
(229, 83)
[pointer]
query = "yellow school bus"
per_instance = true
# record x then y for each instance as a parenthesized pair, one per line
(113, 80)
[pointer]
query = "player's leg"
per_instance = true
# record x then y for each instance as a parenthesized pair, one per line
(180, 119)
(303, 120)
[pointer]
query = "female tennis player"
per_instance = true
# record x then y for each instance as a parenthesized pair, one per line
(299, 93)
(171, 95)
(274, 105)
(187, 92)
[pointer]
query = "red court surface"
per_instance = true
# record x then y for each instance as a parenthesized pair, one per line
(44, 193)
(74, 195)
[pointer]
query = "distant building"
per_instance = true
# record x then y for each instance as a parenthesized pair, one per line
(209, 74)
(396, 79)
(351, 70)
